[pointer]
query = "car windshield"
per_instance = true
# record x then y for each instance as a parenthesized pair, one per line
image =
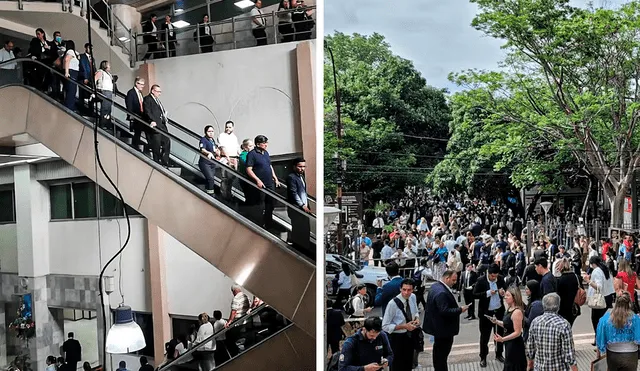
(354, 267)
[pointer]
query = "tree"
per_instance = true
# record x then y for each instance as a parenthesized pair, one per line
(572, 80)
(387, 110)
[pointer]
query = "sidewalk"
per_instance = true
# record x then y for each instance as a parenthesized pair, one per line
(584, 353)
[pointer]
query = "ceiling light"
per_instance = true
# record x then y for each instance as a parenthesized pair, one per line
(123, 38)
(179, 10)
(125, 336)
(243, 4)
(181, 24)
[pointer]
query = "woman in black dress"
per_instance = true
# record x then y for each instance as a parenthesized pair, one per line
(513, 323)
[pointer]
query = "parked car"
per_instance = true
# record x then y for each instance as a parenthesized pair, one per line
(368, 275)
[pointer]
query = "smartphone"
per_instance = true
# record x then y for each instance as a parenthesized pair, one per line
(489, 317)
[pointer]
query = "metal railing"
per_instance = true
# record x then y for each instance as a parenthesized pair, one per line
(235, 33)
(112, 22)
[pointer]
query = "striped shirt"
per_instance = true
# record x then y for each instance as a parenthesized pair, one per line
(240, 304)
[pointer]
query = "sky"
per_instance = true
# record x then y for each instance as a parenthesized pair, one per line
(435, 34)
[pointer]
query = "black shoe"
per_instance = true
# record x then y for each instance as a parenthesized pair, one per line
(500, 358)
(472, 318)
(483, 363)
(593, 344)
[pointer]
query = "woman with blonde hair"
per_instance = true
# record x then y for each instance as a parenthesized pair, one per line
(513, 324)
(618, 335)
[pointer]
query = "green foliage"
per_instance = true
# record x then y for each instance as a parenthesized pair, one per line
(567, 103)
(386, 107)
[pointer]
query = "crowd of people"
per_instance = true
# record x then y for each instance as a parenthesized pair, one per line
(294, 20)
(475, 251)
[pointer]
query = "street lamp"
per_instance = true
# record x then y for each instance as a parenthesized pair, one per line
(546, 206)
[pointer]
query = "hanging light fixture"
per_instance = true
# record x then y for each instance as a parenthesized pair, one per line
(125, 336)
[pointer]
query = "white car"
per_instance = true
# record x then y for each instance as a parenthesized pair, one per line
(370, 275)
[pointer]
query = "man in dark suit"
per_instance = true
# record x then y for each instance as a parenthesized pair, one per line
(490, 290)
(157, 115)
(297, 195)
(442, 318)
(134, 102)
(151, 37)
(385, 293)
(39, 49)
(85, 76)
(469, 278)
(72, 352)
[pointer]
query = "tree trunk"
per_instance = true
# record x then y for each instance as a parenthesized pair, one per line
(617, 207)
(532, 205)
(583, 214)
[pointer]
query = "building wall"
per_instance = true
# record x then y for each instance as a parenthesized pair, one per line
(8, 249)
(260, 97)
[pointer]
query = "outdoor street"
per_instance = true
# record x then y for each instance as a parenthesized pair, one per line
(465, 352)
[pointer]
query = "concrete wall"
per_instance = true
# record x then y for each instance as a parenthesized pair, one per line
(8, 249)
(261, 97)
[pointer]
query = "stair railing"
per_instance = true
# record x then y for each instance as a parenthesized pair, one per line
(110, 22)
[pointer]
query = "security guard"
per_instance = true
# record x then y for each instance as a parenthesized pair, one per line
(367, 350)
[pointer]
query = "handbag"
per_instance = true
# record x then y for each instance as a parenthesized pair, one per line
(581, 295)
(596, 301)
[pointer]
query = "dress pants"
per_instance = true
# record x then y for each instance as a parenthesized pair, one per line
(402, 347)
(470, 300)
(70, 90)
(486, 327)
(268, 205)
(261, 36)
(160, 147)
(300, 229)
(441, 350)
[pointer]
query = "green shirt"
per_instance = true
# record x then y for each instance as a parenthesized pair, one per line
(242, 164)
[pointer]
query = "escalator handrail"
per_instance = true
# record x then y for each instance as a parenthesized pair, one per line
(237, 322)
(271, 193)
(197, 137)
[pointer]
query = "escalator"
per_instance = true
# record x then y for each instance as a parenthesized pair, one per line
(263, 334)
(221, 229)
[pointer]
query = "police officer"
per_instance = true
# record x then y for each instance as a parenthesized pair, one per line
(368, 349)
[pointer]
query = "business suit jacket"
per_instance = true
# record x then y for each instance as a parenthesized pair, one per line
(473, 278)
(296, 189)
(167, 33)
(153, 112)
(387, 292)
(148, 27)
(442, 313)
(35, 50)
(480, 292)
(86, 67)
(133, 103)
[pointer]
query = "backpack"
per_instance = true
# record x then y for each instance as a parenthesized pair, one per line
(348, 307)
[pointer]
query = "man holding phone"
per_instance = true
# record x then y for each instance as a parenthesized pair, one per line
(395, 323)
(367, 349)
(490, 290)
(442, 318)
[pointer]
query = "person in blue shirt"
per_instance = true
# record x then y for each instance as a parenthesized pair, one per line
(368, 349)
(618, 334)
(260, 170)
(391, 289)
(209, 153)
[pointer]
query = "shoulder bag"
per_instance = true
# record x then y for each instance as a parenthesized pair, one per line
(417, 336)
(596, 301)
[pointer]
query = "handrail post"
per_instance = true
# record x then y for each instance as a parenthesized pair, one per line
(135, 46)
(166, 41)
(20, 5)
(233, 32)
(198, 38)
(132, 62)
(275, 27)
(111, 25)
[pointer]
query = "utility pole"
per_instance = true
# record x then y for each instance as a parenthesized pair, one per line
(340, 164)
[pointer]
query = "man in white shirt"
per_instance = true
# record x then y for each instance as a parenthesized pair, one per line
(8, 71)
(229, 144)
(378, 224)
(206, 360)
(258, 24)
(396, 325)
(386, 252)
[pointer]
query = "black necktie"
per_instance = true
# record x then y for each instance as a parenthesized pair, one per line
(408, 309)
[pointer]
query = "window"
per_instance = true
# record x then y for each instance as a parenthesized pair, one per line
(60, 197)
(84, 200)
(110, 206)
(78, 201)
(7, 206)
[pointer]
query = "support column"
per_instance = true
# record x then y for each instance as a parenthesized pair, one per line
(100, 332)
(306, 98)
(49, 324)
(159, 303)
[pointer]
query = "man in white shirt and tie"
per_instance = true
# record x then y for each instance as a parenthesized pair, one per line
(394, 322)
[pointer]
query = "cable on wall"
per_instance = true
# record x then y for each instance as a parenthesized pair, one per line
(96, 118)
